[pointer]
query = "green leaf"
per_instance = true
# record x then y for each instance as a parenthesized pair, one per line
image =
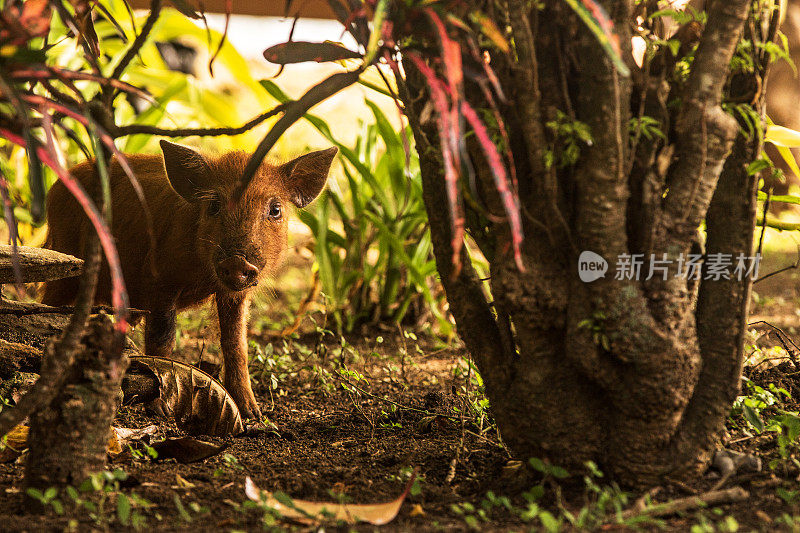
(596, 19)
(283, 498)
(123, 509)
(550, 523)
(782, 136)
(538, 464)
(757, 166)
(780, 198)
(752, 417)
(377, 31)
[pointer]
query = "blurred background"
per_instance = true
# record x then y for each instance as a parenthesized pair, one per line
(360, 256)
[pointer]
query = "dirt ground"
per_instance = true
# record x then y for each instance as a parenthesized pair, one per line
(350, 418)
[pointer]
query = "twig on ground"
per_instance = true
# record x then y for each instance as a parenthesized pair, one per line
(714, 497)
(642, 501)
(784, 339)
(451, 473)
(683, 486)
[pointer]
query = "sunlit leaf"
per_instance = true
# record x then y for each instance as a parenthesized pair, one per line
(490, 30)
(311, 512)
(782, 136)
(302, 51)
(752, 417)
(597, 20)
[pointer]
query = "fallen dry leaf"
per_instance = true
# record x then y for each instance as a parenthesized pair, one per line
(16, 442)
(199, 403)
(121, 437)
(376, 514)
(182, 483)
(187, 449)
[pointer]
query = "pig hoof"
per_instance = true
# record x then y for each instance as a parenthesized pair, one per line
(249, 410)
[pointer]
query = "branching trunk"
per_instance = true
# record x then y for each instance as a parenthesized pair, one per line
(634, 374)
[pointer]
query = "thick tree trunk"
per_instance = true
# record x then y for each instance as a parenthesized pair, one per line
(636, 375)
(68, 437)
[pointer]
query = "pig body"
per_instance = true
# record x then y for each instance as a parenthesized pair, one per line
(206, 244)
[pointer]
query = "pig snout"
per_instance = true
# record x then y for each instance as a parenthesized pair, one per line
(236, 273)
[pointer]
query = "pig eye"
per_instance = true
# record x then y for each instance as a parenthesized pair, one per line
(214, 205)
(274, 210)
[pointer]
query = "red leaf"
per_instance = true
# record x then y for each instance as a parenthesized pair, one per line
(449, 150)
(20, 24)
(121, 159)
(35, 17)
(507, 196)
(56, 72)
(451, 54)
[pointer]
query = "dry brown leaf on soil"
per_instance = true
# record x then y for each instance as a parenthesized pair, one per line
(187, 449)
(121, 437)
(16, 441)
(305, 511)
(199, 403)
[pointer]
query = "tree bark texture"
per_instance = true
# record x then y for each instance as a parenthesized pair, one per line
(68, 437)
(634, 374)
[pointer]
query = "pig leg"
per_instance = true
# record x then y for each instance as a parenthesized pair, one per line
(232, 312)
(159, 332)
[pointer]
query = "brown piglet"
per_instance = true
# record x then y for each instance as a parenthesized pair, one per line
(206, 243)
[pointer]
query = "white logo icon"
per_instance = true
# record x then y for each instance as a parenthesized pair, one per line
(591, 266)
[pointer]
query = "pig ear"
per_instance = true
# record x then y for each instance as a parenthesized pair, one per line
(305, 176)
(186, 169)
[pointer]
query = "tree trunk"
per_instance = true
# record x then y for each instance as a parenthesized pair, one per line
(68, 437)
(636, 375)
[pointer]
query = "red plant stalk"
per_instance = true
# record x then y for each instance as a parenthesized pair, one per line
(119, 295)
(509, 199)
(439, 99)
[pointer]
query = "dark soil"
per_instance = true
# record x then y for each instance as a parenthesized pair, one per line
(330, 440)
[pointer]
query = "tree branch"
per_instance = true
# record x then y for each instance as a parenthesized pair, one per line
(705, 133)
(475, 321)
(136, 129)
(152, 17)
(294, 111)
(723, 305)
